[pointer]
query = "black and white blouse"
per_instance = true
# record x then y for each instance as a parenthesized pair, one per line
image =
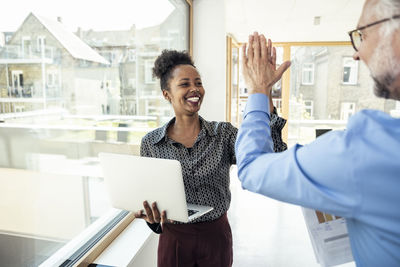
(206, 165)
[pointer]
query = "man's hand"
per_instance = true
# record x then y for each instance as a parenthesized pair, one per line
(259, 65)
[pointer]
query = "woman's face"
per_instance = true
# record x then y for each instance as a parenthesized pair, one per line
(186, 90)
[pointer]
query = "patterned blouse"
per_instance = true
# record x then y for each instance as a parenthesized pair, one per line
(206, 165)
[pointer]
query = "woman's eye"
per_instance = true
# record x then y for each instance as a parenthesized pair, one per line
(184, 84)
(199, 84)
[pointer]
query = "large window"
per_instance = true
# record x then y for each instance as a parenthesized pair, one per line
(71, 87)
(330, 101)
(322, 89)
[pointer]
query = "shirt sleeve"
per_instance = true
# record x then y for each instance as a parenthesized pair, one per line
(318, 175)
(231, 133)
(155, 227)
(277, 123)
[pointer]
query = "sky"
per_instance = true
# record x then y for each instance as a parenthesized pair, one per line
(87, 14)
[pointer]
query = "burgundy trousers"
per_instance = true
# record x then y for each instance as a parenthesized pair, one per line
(207, 244)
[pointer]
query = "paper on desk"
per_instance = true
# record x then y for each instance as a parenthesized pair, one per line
(329, 237)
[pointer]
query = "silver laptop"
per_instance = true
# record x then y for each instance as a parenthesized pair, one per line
(130, 180)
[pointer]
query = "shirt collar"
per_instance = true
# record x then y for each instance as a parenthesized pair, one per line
(162, 132)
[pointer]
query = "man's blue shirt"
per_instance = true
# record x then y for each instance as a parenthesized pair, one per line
(353, 173)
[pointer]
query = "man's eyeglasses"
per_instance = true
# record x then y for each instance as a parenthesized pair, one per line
(356, 35)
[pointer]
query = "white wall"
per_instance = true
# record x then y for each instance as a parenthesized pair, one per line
(209, 53)
(292, 20)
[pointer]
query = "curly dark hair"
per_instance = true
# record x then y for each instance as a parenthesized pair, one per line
(166, 62)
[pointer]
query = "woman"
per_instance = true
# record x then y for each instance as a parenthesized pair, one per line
(206, 152)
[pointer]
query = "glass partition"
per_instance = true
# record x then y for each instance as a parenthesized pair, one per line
(71, 87)
(322, 89)
(327, 87)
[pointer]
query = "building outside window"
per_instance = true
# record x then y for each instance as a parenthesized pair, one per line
(52, 78)
(350, 71)
(26, 46)
(326, 102)
(132, 54)
(308, 108)
(148, 71)
(307, 77)
(41, 43)
(173, 39)
(82, 102)
(347, 110)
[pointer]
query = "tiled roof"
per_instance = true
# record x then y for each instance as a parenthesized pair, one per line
(75, 46)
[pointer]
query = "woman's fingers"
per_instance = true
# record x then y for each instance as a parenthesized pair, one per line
(139, 215)
(149, 212)
(156, 213)
(164, 217)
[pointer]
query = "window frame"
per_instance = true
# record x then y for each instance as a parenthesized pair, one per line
(310, 107)
(356, 68)
(40, 43)
(55, 78)
(346, 115)
(308, 69)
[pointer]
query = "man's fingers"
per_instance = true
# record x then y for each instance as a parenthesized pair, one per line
(148, 212)
(256, 47)
(264, 49)
(282, 68)
(156, 213)
(273, 59)
(269, 51)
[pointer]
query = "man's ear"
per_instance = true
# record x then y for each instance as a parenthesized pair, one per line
(166, 95)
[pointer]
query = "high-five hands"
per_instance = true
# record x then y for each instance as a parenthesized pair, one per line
(259, 65)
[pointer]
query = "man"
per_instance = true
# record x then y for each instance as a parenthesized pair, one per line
(353, 173)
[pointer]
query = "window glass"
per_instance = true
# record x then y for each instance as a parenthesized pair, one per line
(350, 70)
(307, 74)
(70, 87)
(325, 100)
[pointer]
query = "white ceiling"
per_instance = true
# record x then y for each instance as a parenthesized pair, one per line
(292, 20)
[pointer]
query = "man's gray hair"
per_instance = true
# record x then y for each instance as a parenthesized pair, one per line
(386, 9)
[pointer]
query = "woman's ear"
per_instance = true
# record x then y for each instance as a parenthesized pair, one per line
(166, 95)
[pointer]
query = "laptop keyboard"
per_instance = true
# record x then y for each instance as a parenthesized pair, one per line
(191, 212)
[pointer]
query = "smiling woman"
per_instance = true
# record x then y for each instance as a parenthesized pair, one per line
(206, 152)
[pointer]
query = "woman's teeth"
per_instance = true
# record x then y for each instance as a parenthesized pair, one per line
(193, 99)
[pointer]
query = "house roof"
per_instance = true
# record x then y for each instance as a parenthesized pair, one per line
(75, 46)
